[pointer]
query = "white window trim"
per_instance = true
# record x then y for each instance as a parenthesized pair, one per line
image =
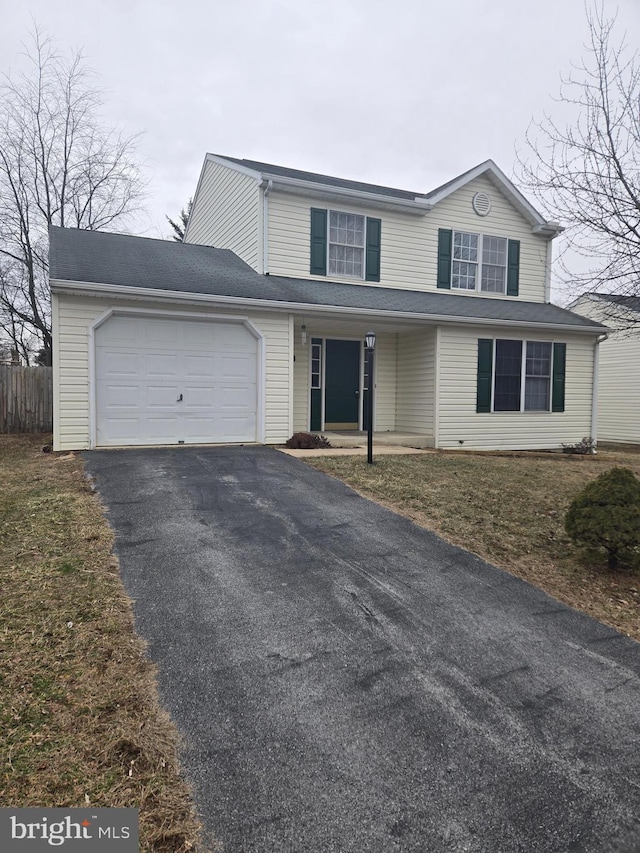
(523, 378)
(479, 263)
(320, 345)
(363, 247)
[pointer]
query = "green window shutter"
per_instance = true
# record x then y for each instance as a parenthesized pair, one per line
(372, 257)
(445, 239)
(318, 241)
(513, 267)
(559, 370)
(485, 374)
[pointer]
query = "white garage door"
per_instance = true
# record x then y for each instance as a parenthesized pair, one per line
(168, 381)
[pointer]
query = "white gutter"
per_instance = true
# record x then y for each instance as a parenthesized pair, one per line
(594, 391)
(284, 183)
(82, 288)
(415, 205)
(265, 224)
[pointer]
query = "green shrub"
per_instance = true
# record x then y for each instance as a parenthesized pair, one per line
(606, 514)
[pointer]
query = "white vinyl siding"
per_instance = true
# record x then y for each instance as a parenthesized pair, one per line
(409, 242)
(76, 314)
(301, 412)
(619, 388)
(385, 372)
(416, 386)
(618, 375)
(460, 426)
(225, 213)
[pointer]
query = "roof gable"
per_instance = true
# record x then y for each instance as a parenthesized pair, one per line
(419, 202)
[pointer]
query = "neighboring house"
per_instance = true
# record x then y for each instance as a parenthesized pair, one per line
(160, 342)
(618, 365)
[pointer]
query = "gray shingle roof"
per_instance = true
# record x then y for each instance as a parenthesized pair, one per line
(631, 303)
(140, 262)
(315, 177)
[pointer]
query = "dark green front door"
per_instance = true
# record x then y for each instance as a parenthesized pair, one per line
(342, 384)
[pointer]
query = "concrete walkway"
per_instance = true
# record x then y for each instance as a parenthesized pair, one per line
(381, 450)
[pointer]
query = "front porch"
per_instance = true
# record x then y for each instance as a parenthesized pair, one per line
(389, 438)
(331, 381)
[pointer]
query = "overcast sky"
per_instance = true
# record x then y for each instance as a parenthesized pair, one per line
(397, 92)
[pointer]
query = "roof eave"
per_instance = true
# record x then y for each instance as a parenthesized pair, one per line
(93, 288)
(299, 186)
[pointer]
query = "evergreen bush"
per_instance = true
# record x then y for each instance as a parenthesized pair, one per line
(606, 514)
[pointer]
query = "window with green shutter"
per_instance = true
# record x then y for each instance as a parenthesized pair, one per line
(345, 244)
(318, 241)
(372, 259)
(559, 371)
(485, 375)
(480, 262)
(520, 376)
(444, 258)
(513, 268)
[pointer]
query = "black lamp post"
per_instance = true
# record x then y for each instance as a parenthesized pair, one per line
(370, 344)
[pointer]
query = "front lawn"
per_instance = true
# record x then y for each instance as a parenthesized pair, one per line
(79, 713)
(509, 510)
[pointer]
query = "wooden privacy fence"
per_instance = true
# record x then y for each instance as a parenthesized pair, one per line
(26, 399)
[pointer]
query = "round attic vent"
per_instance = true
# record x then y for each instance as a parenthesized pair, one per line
(481, 203)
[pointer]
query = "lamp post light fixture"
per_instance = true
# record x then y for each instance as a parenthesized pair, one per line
(370, 344)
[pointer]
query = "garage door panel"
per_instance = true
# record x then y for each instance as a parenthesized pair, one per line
(120, 396)
(227, 339)
(144, 365)
(162, 428)
(200, 397)
(120, 430)
(121, 362)
(121, 330)
(163, 396)
(162, 364)
(241, 397)
(201, 366)
(202, 336)
(162, 333)
(231, 426)
(240, 367)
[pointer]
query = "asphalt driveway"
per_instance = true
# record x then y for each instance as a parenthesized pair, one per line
(346, 681)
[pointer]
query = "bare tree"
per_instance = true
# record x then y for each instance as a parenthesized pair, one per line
(59, 165)
(585, 168)
(180, 226)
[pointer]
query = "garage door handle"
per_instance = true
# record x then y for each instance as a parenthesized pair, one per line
(179, 400)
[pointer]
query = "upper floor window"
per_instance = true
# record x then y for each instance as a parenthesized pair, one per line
(345, 244)
(478, 262)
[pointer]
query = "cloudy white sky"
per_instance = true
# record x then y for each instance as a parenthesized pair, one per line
(407, 93)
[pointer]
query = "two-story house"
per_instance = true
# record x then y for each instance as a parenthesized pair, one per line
(253, 328)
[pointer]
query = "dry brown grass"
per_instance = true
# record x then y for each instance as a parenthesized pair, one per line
(509, 510)
(79, 712)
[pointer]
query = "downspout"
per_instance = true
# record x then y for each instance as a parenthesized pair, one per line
(594, 392)
(265, 227)
(547, 274)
